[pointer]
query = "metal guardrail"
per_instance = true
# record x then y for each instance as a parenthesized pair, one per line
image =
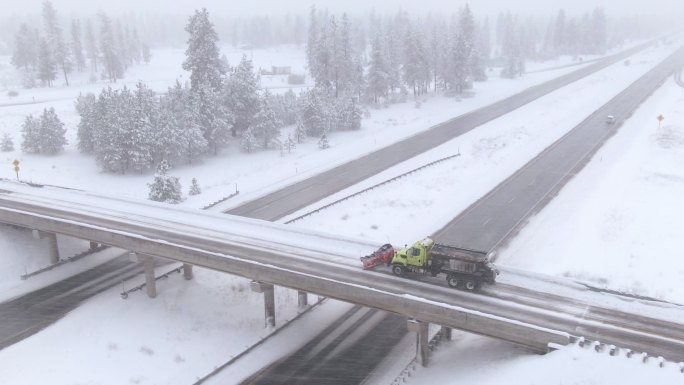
(61, 262)
(372, 187)
(210, 205)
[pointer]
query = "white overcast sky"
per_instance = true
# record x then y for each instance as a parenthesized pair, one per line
(260, 7)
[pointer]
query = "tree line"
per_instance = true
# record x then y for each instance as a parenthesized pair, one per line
(108, 51)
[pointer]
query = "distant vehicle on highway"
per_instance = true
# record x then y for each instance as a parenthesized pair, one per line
(610, 119)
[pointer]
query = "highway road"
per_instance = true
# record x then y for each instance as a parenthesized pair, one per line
(271, 207)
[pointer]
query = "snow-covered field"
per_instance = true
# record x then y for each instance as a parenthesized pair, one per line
(194, 326)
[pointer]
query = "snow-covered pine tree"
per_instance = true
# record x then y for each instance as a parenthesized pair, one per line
(140, 141)
(113, 67)
(290, 144)
(25, 54)
(6, 144)
(77, 45)
(47, 68)
(58, 47)
(146, 53)
(202, 54)
(378, 71)
(241, 95)
(266, 125)
(194, 188)
(121, 46)
(86, 106)
(165, 188)
(458, 64)
(314, 114)
(214, 119)
(248, 141)
(350, 115)
(92, 51)
(181, 106)
(51, 134)
(323, 143)
(30, 133)
(514, 60)
(413, 57)
(300, 131)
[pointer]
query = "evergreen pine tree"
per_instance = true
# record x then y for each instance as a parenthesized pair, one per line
(241, 95)
(165, 188)
(77, 45)
(300, 131)
(184, 120)
(25, 53)
(51, 134)
(266, 126)
(58, 48)
(323, 142)
(248, 141)
(30, 133)
(92, 51)
(47, 71)
(6, 144)
(194, 188)
(202, 54)
(112, 65)
(214, 119)
(86, 106)
(378, 72)
(290, 144)
(314, 114)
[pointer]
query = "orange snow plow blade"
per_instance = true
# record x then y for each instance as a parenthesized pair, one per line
(382, 255)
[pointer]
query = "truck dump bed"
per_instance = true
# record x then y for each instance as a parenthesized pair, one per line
(458, 253)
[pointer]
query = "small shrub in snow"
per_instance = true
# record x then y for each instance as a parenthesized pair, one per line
(6, 144)
(194, 188)
(165, 188)
(12, 94)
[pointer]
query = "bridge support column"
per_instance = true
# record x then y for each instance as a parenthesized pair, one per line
(445, 333)
(187, 271)
(422, 340)
(150, 281)
(302, 299)
(52, 244)
(269, 300)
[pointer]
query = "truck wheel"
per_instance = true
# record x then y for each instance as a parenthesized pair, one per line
(398, 270)
(470, 285)
(453, 281)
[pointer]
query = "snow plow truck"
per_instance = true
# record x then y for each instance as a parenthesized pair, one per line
(464, 268)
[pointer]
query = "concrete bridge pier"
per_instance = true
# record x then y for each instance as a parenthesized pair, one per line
(94, 245)
(269, 300)
(422, 340)
(187, 271)
(150, 280)
(445, 333)
(302, 299)
(52, 244)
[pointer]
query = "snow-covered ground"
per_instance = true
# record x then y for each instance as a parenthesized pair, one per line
(194, 326)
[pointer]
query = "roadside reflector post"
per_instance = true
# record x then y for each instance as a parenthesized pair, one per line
(422, 340)
(269, 301)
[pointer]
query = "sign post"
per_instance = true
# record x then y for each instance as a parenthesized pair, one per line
(16, 167)
(660, 119)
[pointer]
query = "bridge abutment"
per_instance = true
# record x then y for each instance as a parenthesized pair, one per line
(187, 271)
(269, 300)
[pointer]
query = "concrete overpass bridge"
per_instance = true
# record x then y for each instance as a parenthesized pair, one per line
(531, 310)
